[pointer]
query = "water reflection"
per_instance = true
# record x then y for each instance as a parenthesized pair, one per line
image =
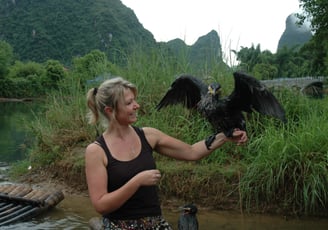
(14, 136)
(69, 222)
(73, 212)
(213, 220)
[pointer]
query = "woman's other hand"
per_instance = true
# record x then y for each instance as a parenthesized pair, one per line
(149, 177)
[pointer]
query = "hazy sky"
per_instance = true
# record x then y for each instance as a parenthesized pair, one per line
(238, 22)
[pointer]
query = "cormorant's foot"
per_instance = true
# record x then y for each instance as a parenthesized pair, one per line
(228, 133)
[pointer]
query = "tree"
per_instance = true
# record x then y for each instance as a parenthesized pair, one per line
(260, 64)
(91, 65)
(317, 12)
(25, 79)
(265, 71)
(6, 58)
(54, 73)
(248, 57)
(26, 70)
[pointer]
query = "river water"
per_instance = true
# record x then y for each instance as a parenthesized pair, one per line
(75, 211)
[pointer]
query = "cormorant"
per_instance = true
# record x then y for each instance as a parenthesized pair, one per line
(188, 219)
(224, 114)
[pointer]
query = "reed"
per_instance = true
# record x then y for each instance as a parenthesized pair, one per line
(288, 166)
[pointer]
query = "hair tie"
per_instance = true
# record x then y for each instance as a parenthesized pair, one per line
(95, 90)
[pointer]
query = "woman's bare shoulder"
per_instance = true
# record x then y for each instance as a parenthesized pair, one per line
(93, 148)
(152, 135)
(149, 129)
(153, 131)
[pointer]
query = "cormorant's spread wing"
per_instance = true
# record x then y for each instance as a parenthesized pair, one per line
(186, 90)
(250, 94)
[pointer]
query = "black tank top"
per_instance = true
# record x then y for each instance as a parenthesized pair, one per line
(145, 201)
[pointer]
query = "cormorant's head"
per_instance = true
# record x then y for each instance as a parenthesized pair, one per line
(214, 89)
(189, 209)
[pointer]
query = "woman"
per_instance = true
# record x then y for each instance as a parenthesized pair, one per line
(120, 170)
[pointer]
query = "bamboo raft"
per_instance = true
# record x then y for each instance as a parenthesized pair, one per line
(20, 202)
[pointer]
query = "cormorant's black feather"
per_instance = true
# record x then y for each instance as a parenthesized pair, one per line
(224, 114)
(186, 90)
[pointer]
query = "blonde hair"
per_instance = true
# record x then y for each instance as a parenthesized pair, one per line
(109, 93)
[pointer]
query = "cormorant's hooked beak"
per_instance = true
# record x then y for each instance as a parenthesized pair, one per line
(214, 89)
(188, 209)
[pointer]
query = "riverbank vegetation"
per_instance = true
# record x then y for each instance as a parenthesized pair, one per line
(282, 169)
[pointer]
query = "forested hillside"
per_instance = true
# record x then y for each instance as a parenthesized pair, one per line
(39, 30)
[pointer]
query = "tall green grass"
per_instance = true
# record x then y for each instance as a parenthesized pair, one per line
(289, 166)
(62, 126)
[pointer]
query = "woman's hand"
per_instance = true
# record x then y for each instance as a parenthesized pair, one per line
(149, 177)
(239, 137)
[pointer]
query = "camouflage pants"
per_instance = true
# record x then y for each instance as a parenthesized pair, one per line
(145, 223)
